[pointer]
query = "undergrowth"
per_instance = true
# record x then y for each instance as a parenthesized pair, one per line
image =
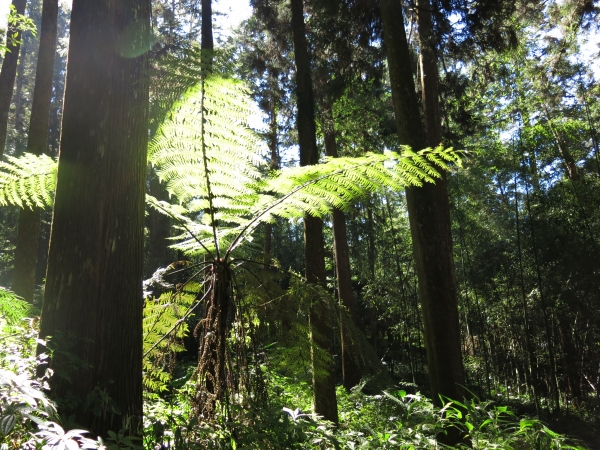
(390, 420)
(393, 419)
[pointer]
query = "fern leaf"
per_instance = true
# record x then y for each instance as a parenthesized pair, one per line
(316, 189)
(12, 307)
(231, 147)
(28, 181)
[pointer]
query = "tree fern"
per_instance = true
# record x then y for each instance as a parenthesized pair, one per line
(240, 199)
(209, 161)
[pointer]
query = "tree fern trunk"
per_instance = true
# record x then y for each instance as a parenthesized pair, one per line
(8, 74)
(26, 252)
(93, 297)
(325, 402)
(213, 342)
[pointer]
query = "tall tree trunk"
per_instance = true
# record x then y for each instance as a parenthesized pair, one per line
(374, 312)
(273, 148)
(26, 252)
(325, 402)
(18, 98)
(8, 74)
(93, 300)
(206, 42)
(429, 216)
(351, 373)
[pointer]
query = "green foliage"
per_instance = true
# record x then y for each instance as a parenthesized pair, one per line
(164, 327)
(17, 23)
(27, 181)
(13, 309)
(28, 418)
(390, 420)
(393, 419)
(22, 401)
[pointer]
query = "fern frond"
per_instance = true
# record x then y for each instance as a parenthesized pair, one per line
(162, 316)
(231, 147)
(338, 182)
(12, 308)
(27, 181)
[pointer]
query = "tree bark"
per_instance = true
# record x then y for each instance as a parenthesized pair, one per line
(429, 215)
(325, 402)
(26, 252)
(8, 74)
(93, 299)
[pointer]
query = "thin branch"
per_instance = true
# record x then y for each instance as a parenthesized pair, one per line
(182, 223)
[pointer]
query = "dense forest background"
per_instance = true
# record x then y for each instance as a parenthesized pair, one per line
(344, 323)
